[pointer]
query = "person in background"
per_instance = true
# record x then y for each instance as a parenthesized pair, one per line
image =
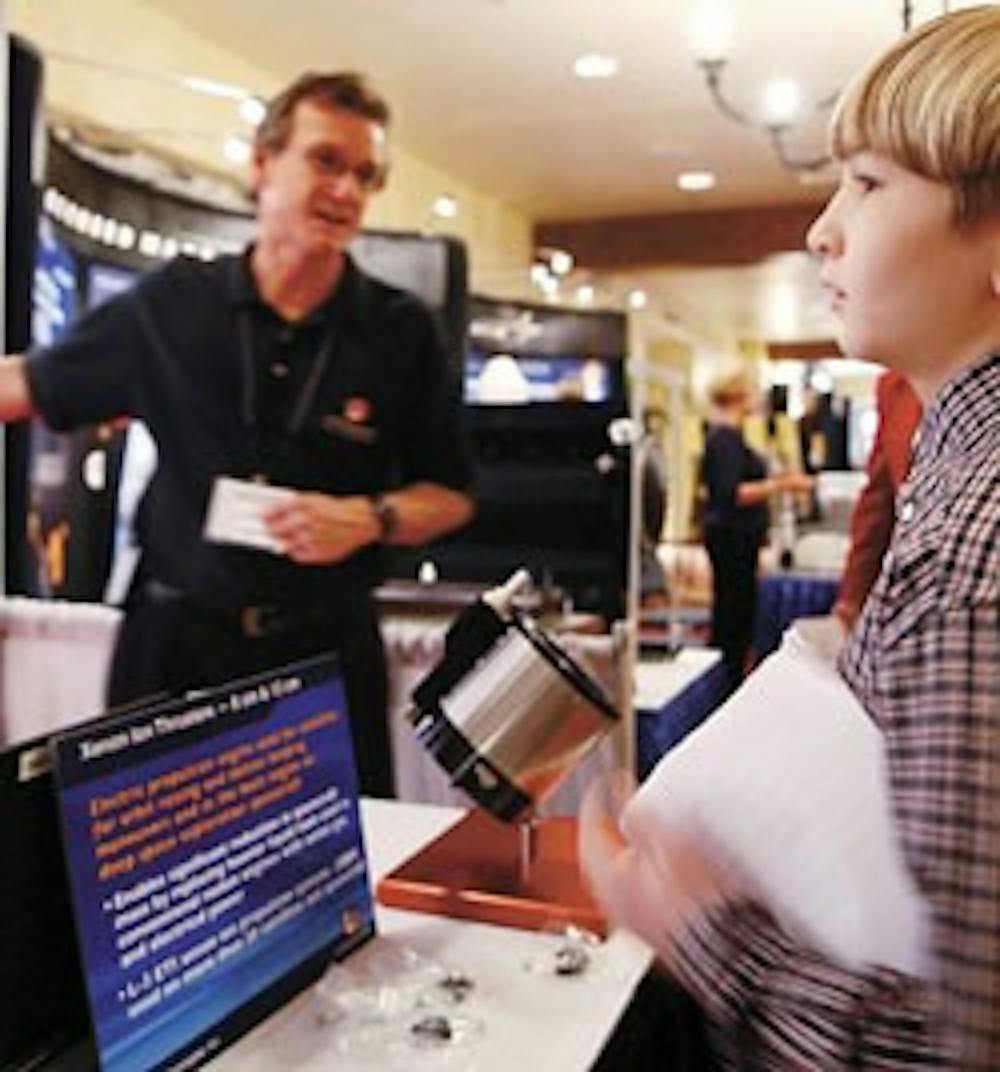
(654, 588)
(812, 434)
(284, 365)
(899, 412)
(735, 519)
(910, 252)
(812, 443)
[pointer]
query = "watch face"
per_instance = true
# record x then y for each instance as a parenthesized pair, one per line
(385, 512)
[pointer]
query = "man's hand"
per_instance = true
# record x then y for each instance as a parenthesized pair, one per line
(316, 529)
(651, 889)
(15, 396)
(796, 482)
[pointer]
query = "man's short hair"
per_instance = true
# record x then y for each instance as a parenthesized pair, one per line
(341, 89)
(932, 104)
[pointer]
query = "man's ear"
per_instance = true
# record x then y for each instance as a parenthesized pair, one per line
(258, 170)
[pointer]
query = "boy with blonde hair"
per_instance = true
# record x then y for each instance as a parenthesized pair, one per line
(910, 252)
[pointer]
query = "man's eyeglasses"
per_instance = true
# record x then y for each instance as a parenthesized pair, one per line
(368, 175)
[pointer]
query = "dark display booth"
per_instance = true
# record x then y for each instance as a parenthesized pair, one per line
(542, 387)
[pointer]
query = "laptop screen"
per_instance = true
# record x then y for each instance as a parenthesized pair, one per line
(215, 860)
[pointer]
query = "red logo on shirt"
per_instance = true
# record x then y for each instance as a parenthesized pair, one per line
(357, 410)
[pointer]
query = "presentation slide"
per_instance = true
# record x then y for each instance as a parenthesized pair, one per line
(215, 860)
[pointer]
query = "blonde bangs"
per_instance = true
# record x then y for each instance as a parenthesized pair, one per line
(932, 104)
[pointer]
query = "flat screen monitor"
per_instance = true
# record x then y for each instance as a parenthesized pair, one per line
(215, 860)
(506, 379)
(519, 354)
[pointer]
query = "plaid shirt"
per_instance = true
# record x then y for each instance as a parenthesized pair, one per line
(924, 659)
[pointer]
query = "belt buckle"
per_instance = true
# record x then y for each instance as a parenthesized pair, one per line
(253, 620)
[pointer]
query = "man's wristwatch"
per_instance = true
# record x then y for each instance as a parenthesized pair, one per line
(386, 516)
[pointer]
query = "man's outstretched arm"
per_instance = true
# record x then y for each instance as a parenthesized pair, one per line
(15, 395)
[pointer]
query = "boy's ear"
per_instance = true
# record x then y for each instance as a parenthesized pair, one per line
(995, 259)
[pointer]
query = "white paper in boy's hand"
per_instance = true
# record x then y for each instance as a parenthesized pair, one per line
(236, 513)
(786, 786)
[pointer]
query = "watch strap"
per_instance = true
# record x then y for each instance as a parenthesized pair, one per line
(386, 516)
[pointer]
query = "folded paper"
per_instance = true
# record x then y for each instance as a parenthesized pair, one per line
(786, 785)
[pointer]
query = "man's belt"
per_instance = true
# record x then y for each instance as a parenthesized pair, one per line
(255, 620)
(258, 620)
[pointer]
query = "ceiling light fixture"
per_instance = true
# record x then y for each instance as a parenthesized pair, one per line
(696, 181)
(550, 265)
(550, 288)
(595, 65)
(638, 299)
(251, 107)
(445, 207)
(252, 110)
(236, 149)
(210, 87)
(561, 262)
(196, 83)
(782, 109)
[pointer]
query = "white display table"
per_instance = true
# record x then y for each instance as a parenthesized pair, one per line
(529, 1019)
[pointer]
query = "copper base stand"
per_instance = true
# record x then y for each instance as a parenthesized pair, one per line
(522, 875)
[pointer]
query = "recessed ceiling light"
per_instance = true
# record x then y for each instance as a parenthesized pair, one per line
(212, 88)
(585, 294)
(561, 262)
(782, 102)
(595, 65)
(696, 180)
(252, 110)
(445, 207)
(236, 149)
(712, 31)
(150, 243)
(637, 299)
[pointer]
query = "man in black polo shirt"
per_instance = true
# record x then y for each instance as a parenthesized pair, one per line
(285, 366)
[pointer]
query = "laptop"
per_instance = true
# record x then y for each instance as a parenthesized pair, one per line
(214, 858)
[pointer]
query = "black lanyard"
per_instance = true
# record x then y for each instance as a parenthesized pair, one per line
(304, 400)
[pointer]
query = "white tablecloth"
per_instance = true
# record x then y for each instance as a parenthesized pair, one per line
(54, 658)
(53, 663)
(558, 1024)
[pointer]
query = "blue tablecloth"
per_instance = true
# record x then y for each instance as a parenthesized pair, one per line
(658, 731)
(783, 597)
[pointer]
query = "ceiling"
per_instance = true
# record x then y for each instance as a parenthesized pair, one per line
(485, 90)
